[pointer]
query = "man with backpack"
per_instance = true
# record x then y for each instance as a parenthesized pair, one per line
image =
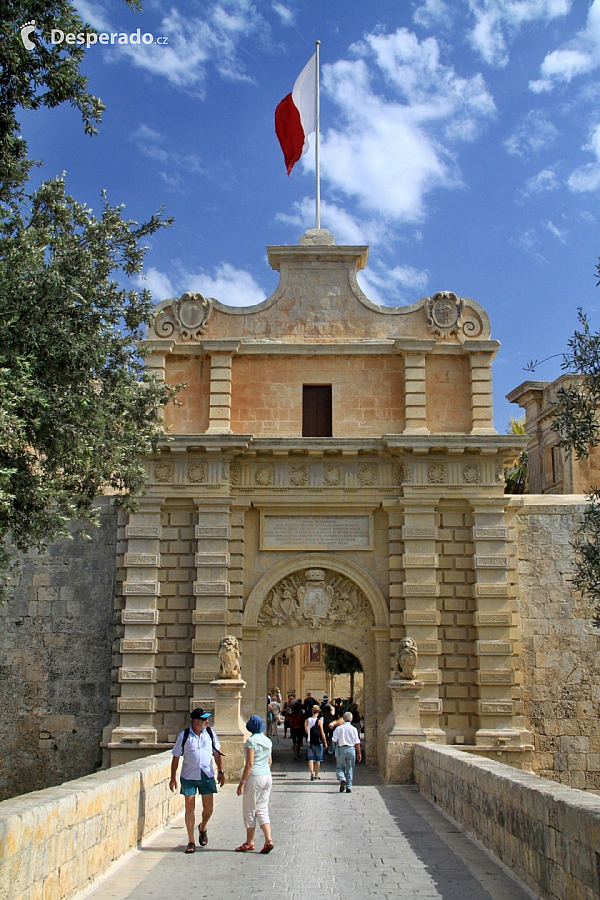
(316, 742)
(198, 745)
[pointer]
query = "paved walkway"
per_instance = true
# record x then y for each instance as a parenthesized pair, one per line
(380, 841)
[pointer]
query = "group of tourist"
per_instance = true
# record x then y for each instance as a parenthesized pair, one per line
(199, 746)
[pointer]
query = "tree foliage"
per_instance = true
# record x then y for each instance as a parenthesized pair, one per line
(516, 475)
(77, 410)
(576, 419)
(340, 662)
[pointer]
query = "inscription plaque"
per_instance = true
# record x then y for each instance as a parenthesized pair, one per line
(318, 532)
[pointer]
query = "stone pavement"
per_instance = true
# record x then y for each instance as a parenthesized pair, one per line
(382, 841)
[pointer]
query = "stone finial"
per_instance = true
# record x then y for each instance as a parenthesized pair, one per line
(407, 659)
(316, 236)
(229, 657)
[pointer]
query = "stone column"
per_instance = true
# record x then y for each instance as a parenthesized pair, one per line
(211, 589)
(221, 357)
(482, 406)
(137, 674)
(497, 644)
(421, 615)
(415, 387)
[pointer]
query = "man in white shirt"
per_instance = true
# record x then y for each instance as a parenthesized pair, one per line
(348, 751)
(198, 745)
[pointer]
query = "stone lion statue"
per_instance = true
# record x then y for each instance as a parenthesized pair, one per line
(229, 657)
(407, 659)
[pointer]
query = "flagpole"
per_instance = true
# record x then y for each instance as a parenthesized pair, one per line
(317, 123)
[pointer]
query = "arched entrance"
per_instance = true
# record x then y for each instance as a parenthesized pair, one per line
(319, 597)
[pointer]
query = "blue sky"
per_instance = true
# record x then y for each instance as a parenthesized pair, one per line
(460, 140)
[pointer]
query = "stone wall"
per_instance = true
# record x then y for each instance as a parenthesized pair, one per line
(57, 841)
(56, 634)
(561, 648)
(547, 834)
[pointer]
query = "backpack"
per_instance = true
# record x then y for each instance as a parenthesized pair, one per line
(186, 735)
(315, 734)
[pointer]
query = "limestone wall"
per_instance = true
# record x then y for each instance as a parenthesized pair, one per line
(56, 635)
(561, 648)
(547, 834)
(57, 841)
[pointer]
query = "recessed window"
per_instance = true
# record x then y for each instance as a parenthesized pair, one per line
(316, 410)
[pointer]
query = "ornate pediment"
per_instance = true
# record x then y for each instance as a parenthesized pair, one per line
(316, 597)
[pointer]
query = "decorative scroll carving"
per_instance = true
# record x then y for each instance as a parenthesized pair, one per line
(234, 473)
(163, 471)
(333, 475)
(263, 475)
(317, 598)
(407, 658)
(471, 325)
(401, 474)
(436, 473)
(444, 310)
(367, 474)
(229, 657)
(198, 472)
(471, 474)
(299, 475)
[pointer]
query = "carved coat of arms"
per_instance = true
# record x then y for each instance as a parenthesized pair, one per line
(315, 597)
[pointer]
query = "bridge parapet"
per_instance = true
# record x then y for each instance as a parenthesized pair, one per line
(54, 842)
(546, 833)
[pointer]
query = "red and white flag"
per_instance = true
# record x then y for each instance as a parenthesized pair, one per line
(295, 116)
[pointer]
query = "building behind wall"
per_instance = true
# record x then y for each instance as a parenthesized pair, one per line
(333, 475)
(551, 469)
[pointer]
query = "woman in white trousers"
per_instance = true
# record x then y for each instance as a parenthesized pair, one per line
(255, 785)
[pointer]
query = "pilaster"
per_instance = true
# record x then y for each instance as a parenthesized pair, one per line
(421, 616)
(221, 357)
(210, 617)
(500, 721)
(415, 388)
(137, 674)
(482, 408)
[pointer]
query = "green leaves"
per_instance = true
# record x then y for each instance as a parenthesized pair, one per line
(77, 408)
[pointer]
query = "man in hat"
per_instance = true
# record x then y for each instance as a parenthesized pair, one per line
(198, 745)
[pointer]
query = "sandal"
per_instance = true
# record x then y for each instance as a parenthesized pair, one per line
(268, 847)
(244, 848)
(191, 848)
(202, 838)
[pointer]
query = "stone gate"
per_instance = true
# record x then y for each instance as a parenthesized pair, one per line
(333, 469)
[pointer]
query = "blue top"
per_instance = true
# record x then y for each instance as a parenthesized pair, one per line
(262, 747)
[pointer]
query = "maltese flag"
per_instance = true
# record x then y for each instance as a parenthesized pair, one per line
(295, 116)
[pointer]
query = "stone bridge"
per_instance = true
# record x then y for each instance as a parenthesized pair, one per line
(56, 842)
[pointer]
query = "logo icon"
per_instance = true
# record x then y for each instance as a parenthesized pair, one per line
(26, 31)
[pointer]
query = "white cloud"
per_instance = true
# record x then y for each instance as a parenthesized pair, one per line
(225, 283)
(577, 57)
(497, 21)
(193, 42)
(157, 283)
(285, 13)
(553, 229)
(392, 287)
(534, 133)
(345, 228)
(544, 181)
(390, 154)
(431, 13)
(587, 178)
(229, 285)
(152, 144)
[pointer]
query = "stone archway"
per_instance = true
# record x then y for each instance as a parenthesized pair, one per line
(319, 597)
